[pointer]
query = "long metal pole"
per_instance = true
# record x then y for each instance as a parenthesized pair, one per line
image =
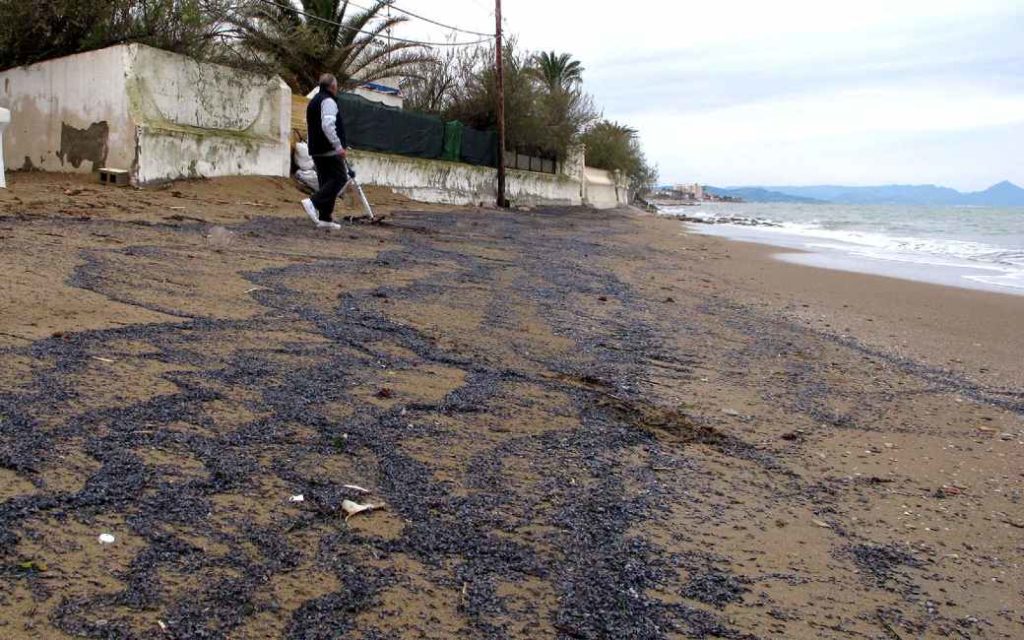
(501, 106)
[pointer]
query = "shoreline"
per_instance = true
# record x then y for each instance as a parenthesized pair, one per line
(839, 256)
(945, 325)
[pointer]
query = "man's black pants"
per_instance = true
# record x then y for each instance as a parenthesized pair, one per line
(331, 175)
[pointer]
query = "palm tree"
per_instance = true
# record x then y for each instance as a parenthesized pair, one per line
(301, 39)
(558, 72)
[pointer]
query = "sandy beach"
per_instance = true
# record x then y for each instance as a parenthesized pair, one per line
(570, 423)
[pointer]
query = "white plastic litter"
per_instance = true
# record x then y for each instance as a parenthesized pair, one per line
(297, 498)
(352, 508)
(106, 538)
(220, 237)
(307, 170)
(302, 157)
(356, 487)
(308, 178)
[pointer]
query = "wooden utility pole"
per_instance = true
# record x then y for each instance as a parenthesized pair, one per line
(500, 70)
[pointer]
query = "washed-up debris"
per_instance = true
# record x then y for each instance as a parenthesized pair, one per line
(107, 360)
(106, 538)
(297, 498)
(355, 487)
(219, 237)
(731, 412)
(881, 563)
(822, 524)
(32, 566)
(352, 508)
(714, 587)
(946, 491)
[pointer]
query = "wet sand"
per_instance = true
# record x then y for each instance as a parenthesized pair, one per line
(579, 424)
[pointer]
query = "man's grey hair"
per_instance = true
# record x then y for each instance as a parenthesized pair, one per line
(327, 80)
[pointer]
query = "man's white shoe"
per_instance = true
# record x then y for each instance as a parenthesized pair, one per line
(307, 206)
(323, 224)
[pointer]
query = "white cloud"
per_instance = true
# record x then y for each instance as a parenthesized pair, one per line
(794, 91)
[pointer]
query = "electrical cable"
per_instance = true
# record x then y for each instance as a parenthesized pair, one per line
(436, 23)
(374, 35)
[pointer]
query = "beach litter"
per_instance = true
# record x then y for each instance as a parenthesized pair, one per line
(106, 538)
(355, 487)
(352, 508)
(297, 498)
(220, 237)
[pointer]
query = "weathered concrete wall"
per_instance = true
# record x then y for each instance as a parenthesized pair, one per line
(196, 119)
(456, 183)
(158, 114)
(5, 119)
(604, 190)
(69, 114)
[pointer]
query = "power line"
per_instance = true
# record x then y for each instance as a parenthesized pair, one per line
(440, 24)
(391, 5)
(374, 35)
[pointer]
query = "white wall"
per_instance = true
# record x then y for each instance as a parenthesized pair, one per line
(456, 183)
(197, 119)
(69, 114)
(604, 190)
(157, 114)
(5, 119)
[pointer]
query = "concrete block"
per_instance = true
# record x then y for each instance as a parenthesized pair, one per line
(115, 177)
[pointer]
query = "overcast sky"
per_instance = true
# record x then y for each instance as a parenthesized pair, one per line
(793, 92)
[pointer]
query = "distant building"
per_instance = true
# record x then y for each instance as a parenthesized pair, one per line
(689, 191)
(384, 91)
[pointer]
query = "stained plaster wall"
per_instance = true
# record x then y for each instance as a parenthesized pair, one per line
(160, 115)
(69, 114)
(603, 189)
(195, 119)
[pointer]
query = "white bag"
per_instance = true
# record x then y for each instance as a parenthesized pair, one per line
(308, 177)
(302, 157)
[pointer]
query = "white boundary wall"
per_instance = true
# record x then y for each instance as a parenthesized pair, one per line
(5, 119)
(157, 114)
(604, 190)
(444, 182)
(456, 183)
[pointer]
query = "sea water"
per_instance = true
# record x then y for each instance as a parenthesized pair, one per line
(965, 246)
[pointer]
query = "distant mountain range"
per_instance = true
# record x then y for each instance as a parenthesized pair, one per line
(757, 194)
(1004, 194)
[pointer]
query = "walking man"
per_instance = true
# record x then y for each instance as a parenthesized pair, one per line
(327, 147)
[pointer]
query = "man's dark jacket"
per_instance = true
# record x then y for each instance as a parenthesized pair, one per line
(319, 145)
